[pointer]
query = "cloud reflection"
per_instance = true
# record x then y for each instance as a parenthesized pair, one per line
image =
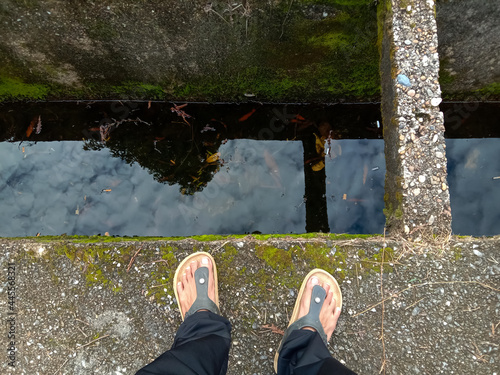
(475, 195)
(57, 187)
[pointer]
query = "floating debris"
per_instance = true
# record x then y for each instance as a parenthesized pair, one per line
(207, 128)
(39, 125)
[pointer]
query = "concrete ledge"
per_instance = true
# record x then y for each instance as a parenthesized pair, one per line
(417, 195)
(80, 309)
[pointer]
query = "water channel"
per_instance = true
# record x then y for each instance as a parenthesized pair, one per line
(157, 169)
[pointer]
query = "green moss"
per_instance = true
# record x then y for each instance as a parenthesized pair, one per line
(138, 89)
(100, 263)
(457, 253)
(374, 263)
(160, 282)
(278, 259)
(491, 90)
(338, 2)
(15, 89)
(201, 238)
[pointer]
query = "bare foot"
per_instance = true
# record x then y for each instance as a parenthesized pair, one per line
(329, 315)
(186, 288)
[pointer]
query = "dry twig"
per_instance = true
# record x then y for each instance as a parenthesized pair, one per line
(91, 342)
(271, 327)
(133, 258)
(382, 367)
(60, 368)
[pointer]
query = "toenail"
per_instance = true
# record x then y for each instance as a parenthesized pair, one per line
(314, 280)
(202, 281)
(204, 261)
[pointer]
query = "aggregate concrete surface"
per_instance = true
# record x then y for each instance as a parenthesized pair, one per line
(439, 312)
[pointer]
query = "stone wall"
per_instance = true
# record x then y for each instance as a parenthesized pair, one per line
(280, 50)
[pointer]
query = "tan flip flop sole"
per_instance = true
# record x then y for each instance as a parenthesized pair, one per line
(323, 277)
(180, 270)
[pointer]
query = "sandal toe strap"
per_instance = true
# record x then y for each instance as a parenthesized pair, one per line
(202, 300)
(312, 318)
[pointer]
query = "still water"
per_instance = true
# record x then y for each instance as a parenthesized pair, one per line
(473, 165)
(157, 169)
(58, 187)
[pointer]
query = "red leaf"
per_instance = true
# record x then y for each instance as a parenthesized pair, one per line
(245, 117)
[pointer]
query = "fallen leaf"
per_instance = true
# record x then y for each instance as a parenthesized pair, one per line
(365, 173)
(344, 197)
(23, 149)
(320, 145)
(213, 158)
(318, 166)
(39, 125)
(106, 190)
(246, 116)
(31, 127)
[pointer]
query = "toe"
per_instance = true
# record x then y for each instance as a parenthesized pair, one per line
(180, 287)
(328, 299)
(193, 266)
(306, 298)
(205, 262)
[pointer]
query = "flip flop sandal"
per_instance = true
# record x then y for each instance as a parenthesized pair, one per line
(311, 319)
(201, 277)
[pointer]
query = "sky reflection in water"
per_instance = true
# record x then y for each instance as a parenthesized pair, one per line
(57, 187)
(475, 195)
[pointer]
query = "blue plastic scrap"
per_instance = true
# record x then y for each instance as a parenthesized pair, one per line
(403, 80)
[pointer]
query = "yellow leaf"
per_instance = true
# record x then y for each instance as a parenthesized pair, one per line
(213, 158)
(320, 145)
(318, 166)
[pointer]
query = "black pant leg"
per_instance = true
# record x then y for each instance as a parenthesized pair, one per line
(304, 353)
(201, 347)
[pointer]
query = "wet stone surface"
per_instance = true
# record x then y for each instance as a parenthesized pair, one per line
(79, 311)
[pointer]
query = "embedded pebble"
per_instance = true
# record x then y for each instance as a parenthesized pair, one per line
(477, 252)
(436, 101)
(411, 93)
